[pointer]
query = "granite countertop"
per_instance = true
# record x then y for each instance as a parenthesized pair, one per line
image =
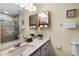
(28, 51)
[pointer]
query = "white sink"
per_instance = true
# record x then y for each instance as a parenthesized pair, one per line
(19, 50)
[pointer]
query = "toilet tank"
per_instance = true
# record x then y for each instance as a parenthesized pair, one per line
(75, 48)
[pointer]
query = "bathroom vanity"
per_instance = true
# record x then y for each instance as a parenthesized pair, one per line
(38, 47)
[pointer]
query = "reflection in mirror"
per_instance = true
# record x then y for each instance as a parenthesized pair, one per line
(9, 22)
(33, 21)
(43, 18)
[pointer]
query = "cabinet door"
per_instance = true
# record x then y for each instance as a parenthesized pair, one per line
(43, 53)
(45, 49)
(36, 53)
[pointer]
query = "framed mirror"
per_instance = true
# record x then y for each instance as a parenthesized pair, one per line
(40, 19)
(43, 18)
(33, 21)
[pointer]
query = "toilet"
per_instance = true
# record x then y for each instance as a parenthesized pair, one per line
(75, 48)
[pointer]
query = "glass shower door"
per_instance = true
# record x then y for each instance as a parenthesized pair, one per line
(8, 32)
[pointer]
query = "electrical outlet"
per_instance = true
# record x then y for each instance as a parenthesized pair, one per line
(58, 46)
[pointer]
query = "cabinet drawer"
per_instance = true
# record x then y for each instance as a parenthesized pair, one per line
(45, 49)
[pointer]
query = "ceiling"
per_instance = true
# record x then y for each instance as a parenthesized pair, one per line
(11, 8)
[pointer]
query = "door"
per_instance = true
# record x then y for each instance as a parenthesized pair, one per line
(8, 32)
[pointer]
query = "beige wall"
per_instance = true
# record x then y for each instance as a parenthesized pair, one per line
(59, 35)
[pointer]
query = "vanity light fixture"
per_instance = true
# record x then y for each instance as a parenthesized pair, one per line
(22, 5)
(16, 3)
(5, 12)
(27, 6)
(32, 9)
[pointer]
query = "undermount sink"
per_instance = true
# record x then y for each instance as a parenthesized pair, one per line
(19, 50)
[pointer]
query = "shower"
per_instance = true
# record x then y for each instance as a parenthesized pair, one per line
(8, 29)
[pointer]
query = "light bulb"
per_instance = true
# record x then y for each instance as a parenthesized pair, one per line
(5, 12)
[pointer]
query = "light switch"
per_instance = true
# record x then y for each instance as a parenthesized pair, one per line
(69, 25)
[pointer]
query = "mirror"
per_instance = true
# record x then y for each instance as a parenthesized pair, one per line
(43, 18)
(33, 21)
(40, 19)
